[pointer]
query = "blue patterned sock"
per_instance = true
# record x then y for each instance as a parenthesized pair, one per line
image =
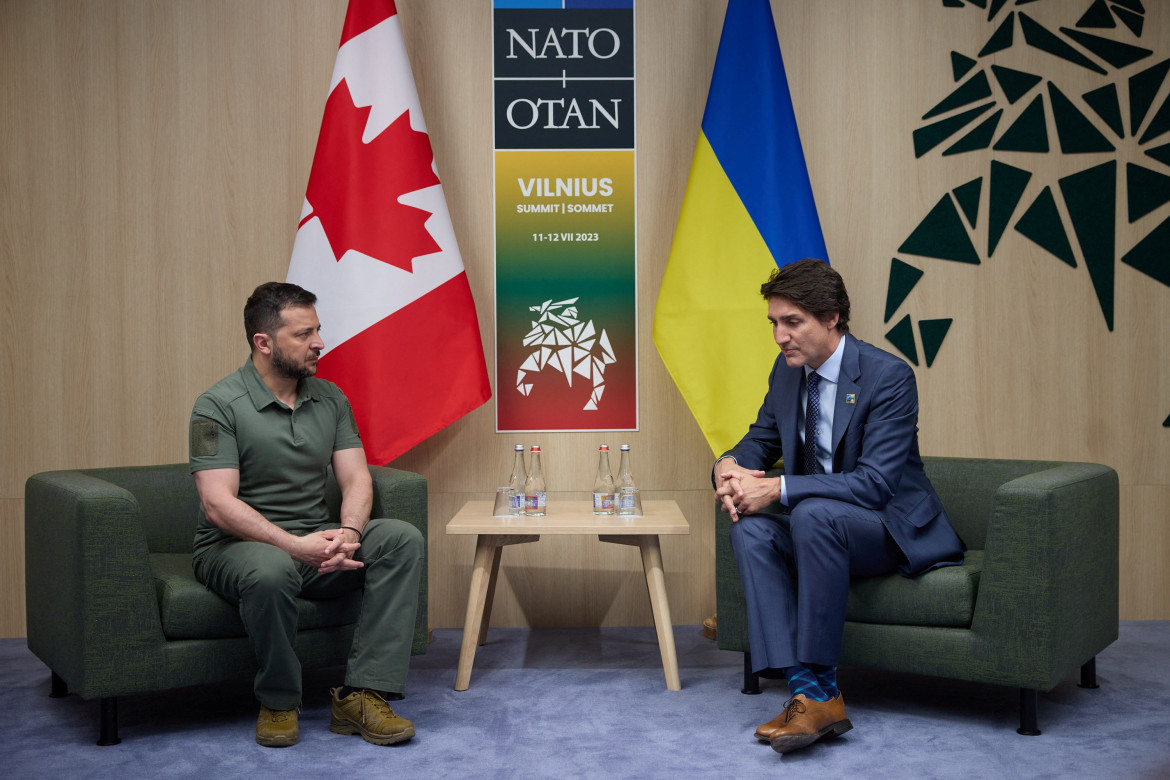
(826, 679)
(802, 680)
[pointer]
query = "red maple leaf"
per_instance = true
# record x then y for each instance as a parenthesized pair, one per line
(354, 187)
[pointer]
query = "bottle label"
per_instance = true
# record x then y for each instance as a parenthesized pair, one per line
(535, 502)
(517, 502)
(628, 495)
(603, 501)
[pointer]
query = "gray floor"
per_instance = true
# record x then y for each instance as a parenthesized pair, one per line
(592, 703)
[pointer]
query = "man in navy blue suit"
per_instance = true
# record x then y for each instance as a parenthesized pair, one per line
(853, 501)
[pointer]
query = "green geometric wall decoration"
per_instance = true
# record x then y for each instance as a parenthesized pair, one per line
(1002, 38)
(1146, 190)
(995, 6)
(953, 4)
(1029, 133)
(960, 65)
(941, 235)
(1014, 83)
(1115, 53)
(1131, 20)
(975, 88)
(1091, 198)
(902, 337)
(979, 138)
(1040, 38)
(968, 197)
(903, 277)
(1076, 133)
(980, 3)
(926, 138)
(1143, 87)
(1097, 16)
(933, 332)
(1007, 185)
(1152, 254)
(1041, 223)
(1160, 153)
(1159, 124)
(1104, 101)
(1166, 424)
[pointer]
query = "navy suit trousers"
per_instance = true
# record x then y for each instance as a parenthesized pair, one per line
(795, 570)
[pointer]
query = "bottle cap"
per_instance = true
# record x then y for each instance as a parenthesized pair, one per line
(519, 448)
(536, 448)
(626, 447)
(604, 448)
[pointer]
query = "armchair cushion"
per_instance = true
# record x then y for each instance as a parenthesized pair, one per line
(943, 597)
(189, 610)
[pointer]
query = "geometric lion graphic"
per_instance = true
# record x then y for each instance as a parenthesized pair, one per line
(566, 344)
(1115, 118)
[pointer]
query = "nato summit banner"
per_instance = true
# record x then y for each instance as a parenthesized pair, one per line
(566, 309)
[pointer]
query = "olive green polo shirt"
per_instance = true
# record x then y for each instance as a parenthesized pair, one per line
(282, 454)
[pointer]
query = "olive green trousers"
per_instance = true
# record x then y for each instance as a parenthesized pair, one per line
(264, 581)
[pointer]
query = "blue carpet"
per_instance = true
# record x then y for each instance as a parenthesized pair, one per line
(592, 703)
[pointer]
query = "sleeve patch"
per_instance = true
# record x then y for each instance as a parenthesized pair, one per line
(204, 438)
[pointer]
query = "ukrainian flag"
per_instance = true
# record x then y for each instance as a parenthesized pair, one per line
(748, 209)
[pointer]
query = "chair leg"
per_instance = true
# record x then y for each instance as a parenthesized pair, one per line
(751, 682)
(1089, 674)
(109, 722)
(58, 688)
(1028, 702)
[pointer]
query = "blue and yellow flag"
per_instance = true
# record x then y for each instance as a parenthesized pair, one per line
(748, 209)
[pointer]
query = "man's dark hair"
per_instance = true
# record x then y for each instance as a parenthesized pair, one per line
(262, 311)
(812, 285)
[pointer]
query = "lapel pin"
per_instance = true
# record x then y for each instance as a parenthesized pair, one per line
(850, 398)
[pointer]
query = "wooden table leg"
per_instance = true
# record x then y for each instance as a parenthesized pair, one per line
(481, 573)
(479, 597)
(491, 596)
(656, 585)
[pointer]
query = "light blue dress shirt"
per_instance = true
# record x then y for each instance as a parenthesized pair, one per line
(830, 372)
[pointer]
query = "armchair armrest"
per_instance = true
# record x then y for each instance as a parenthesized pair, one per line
(1048, 596)
(400, 494)
(89, 595)
(403, 495)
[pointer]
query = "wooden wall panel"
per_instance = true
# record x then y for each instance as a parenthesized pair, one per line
(153, 160)
(12, 567)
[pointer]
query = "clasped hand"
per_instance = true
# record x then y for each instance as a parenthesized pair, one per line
(328, 551)
(742, 491)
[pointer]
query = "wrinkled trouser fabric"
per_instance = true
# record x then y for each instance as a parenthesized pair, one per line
(795, 570)
(264, 581)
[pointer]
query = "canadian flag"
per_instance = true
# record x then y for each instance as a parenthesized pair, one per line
(375, 244)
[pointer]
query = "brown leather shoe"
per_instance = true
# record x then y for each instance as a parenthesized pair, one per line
(277, 728)
(805, 721)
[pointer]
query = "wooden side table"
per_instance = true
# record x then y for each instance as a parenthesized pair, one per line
(495, 533)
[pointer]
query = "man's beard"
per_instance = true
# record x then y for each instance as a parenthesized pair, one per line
(288, 369)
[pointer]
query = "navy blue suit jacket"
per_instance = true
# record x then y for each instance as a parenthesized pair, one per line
(876, 464)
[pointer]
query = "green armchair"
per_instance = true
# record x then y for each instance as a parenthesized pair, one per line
(1036, 598)
(114, 608)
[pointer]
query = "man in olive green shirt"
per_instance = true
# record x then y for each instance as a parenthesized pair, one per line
(261, 441)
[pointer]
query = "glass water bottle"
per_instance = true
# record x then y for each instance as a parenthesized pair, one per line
(517, 480)
(603, 484)
(629, 500)
(535, 497)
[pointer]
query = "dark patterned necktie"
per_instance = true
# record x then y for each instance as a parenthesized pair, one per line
(812, 414)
